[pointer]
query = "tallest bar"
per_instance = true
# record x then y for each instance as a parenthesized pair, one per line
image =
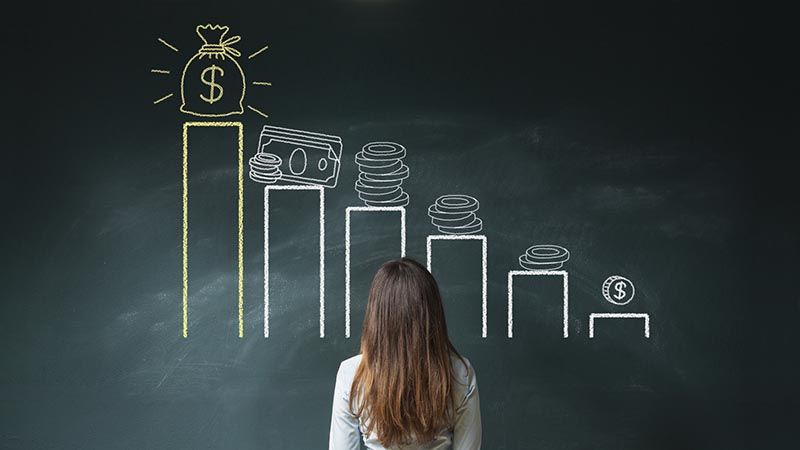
(240, 220)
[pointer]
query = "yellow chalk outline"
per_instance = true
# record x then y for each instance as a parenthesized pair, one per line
(230, 56)
(258, 52)
(155, 102)
(257, 111)
(185, 201)
(168, 44)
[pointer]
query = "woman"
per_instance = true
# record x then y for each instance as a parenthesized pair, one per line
(409, 388)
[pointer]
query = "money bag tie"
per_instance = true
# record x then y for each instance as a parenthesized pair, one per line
(213, 84)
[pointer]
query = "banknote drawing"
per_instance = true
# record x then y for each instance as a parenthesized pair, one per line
(296, 156)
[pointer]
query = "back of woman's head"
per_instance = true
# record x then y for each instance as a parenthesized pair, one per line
(402, 388)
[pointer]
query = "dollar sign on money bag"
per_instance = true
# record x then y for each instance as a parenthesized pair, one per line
(213, 83)
(215, 90)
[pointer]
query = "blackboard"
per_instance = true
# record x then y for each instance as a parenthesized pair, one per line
(615, 131)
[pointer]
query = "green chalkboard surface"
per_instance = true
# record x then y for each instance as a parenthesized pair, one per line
(617, 132)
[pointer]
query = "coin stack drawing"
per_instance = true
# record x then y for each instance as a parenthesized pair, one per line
(381, 174)
(265, 168)
(544, 257)
(455, 214)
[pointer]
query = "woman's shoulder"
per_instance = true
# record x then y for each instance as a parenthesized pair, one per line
(347, 368)
(463, 371)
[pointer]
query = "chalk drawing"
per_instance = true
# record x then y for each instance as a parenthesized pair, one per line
(544, 257)
(214, 65)
(258, 52)
(155, 102)
(561, 273)
(212, 82)
(168, 45)
(321, 191)
(381, 174)
(265, 168)
(366, 209)
(303, 157)
(455, 214)
(482, 239)
(644, 316)
(240, 223)
(618, 290)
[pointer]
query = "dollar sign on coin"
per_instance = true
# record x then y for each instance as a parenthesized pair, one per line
(214, 90)
(620, 288)
(623, 290)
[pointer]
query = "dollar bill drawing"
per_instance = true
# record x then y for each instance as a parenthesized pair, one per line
(306, 157)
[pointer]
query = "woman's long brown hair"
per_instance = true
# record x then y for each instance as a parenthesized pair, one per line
(402, 388)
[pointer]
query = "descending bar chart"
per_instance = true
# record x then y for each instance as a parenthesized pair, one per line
(538, 273)
(310, 162)
(484, 263)
(347, 263)
(321, 192)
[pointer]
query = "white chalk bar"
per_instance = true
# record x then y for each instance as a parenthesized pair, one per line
(468, 237)
(365, 209)
(321, 191)
(643, 316)
(537, 273)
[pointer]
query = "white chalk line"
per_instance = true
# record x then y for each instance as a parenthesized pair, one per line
(321, 190)
(565, 288)
(644, 316)
(484, 264)
(347, 211)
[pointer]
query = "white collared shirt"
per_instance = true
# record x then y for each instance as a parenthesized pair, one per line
(464, 434)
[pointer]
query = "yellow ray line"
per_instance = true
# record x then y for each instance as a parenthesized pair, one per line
(262, 83)
(257, 111)
(159, 71)
(167, 44)
(162, 99)
(256, 53)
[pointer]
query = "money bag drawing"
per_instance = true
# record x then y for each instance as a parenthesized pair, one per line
(213, 84)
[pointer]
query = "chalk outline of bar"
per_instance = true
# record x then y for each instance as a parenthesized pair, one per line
(185, 225)
(512, 273)
(484, 263)
(347, 211)
(321, 251)
(644, 316)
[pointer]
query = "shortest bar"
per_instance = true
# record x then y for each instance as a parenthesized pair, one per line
(644, 316)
